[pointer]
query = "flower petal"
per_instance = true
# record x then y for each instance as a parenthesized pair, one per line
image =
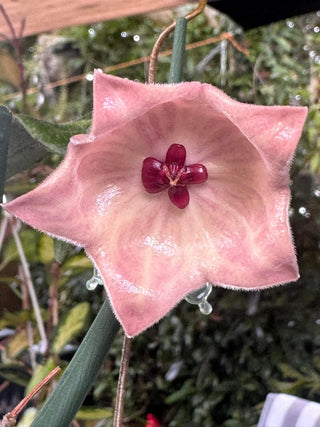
(234, 231)
(116, 100)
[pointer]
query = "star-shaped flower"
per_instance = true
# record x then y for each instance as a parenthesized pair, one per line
(223, 164)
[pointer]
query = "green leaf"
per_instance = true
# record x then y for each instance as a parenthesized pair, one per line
(46, 252)
(17, 344)
(15, 319)
(71, 326)
(15, 373)
(187, 390)
(27, 417)
(29, 239)
(41, 372)
(62, 250)
(91, 413)
(24, 151)
(55, 137)
(77, 264)
(5, 128)
(18, 318)
(66, 399)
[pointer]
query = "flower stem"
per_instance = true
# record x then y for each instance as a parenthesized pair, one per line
(178, 51)
(29, 283)
(9, 420)
(124, 364)
(157, 46)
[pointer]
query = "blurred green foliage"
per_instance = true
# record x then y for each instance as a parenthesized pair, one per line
(189, 369)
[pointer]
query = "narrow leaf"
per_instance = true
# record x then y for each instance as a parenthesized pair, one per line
(41, 372)
(91, 413)
(64, 402)
(14, 373)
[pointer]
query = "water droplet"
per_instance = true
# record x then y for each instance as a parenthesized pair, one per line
(89, 77)
(136, 38)
(290, 24)
(95, 281)
(199, 297)
(317, 192)
(318, 321)
(124, 34)
(92, 32)
(205, 307)
(304, 212)
(312, 54)
(316, 29)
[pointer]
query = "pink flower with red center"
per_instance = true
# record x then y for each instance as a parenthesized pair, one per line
(223, 164)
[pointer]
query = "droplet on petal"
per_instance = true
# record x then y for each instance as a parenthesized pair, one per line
(199, 297)
(95, 281)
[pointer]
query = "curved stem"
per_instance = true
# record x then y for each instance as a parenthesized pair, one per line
(125, 356)
(157, 46)
(29, 283)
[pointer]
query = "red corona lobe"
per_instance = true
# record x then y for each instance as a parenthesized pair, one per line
(173, 175)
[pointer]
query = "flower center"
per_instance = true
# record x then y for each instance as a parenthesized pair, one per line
(172, 174)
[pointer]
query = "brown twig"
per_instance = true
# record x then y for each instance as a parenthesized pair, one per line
(124, 364)
(9, 420)
(133, 62)
(157, 46)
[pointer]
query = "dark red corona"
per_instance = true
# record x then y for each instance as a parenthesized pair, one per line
(173, 175)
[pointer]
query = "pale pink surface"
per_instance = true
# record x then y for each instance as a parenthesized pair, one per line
(233, 233)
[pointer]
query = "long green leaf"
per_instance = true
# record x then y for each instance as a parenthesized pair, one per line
(64, 402)
(5, 124)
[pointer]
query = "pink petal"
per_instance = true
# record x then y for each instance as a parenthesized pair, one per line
(234, 231)
(117, 100)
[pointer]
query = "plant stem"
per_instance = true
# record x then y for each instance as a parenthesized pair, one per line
(72, 388)
(28, 281)
(124, 364)
(178, 51)
(157, 46)
(9, 420)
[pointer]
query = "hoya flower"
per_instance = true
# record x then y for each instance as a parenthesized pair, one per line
(174, 186)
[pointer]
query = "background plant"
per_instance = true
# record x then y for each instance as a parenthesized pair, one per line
(210, 371)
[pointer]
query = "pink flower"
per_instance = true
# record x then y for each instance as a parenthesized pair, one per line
(152, 421)
(223, 164)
